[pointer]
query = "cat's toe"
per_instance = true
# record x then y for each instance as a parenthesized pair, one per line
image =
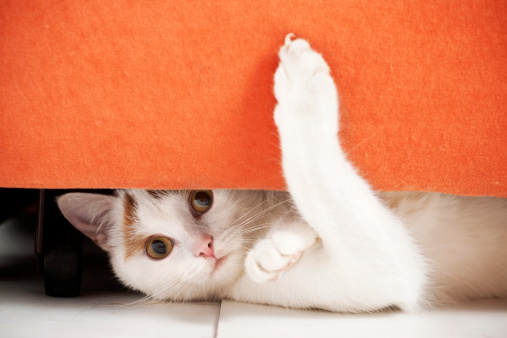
(256, 271)
(289, 244)
(271, 257)
(293, 46)
(300, 61)
(298, 64)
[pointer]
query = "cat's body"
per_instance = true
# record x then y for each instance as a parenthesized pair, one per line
(330, 243)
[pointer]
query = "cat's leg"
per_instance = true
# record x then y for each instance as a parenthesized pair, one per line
(373, 257)
(282, 247)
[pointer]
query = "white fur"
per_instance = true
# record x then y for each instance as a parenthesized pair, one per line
(332, 244)
(372, 262)
(283, 246)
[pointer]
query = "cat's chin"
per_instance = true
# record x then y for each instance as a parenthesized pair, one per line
(219, 263)
(227, 270)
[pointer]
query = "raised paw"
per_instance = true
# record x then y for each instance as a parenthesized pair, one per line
(303, 85)
(274, 255)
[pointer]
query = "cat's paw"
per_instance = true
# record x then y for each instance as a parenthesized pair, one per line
(276, 254)
(304, 86)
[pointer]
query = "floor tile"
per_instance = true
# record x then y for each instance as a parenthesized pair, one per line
(25, 312)
(482, 319)
(104, 308)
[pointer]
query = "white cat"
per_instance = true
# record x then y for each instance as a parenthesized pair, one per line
(330, 243)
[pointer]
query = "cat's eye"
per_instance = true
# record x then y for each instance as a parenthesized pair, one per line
(159, 247)
(201, 200)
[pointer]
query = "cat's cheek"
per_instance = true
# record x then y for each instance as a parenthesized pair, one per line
(132, 272)
(121, 269)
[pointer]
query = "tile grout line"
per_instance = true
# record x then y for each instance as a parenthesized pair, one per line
(217, 323)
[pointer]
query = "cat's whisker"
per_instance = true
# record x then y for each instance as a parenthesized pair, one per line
(183, 283)
(146, 300)
(240, 230)
(140, 301)
(175, 285)
(204, 293)
(232, 233)
(252, 209)
(258, 215)
(187, 285)
(256, 228)
(161, 293)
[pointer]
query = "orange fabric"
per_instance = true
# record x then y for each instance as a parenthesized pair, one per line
(178, 94)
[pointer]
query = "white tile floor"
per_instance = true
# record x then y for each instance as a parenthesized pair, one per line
(104, 309)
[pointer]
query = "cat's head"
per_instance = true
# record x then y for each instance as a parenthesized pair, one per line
(178, 245)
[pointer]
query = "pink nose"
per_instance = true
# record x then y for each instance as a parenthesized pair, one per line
(204, 247)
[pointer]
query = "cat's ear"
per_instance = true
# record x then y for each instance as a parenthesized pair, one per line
(89, 213)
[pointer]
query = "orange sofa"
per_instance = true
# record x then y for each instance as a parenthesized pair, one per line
(178, 94)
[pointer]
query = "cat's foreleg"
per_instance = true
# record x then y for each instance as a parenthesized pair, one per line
(374, 258)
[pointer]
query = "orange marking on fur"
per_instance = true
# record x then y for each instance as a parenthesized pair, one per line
(414, 199)
(134, 243)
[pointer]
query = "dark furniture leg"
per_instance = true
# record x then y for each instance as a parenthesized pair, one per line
(58, 248)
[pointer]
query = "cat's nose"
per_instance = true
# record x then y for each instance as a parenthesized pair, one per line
(204, 247)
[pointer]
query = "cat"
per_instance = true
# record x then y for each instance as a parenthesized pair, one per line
(329, 243)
